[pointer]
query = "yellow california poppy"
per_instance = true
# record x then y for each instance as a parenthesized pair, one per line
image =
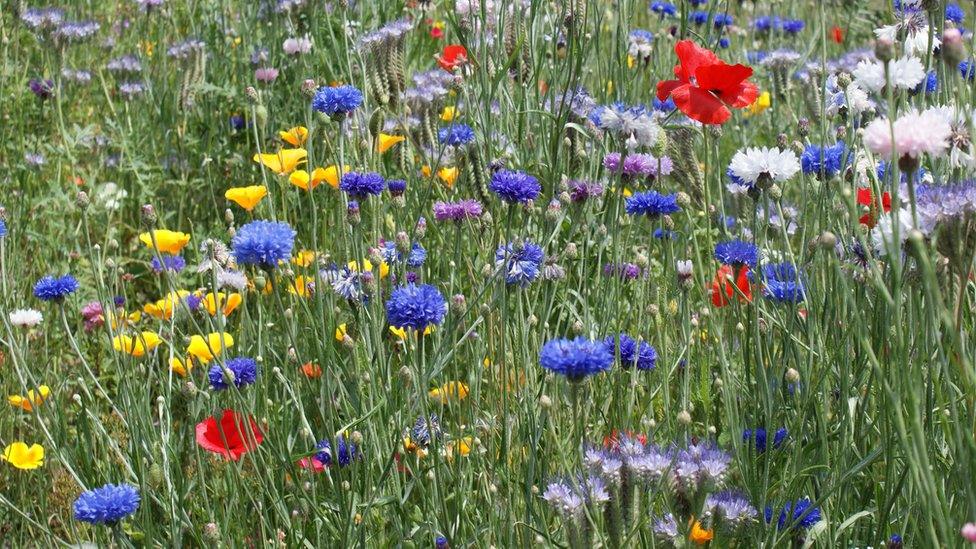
(136, 346)
(228, 303)
(24, 457)
(282, 162)
(699, 535)
(163, 309)
(448, 176)
(301, 286)
(402, 333)
(448, 114)
(452, 390)
(207, 349)
(305, 181)
(340, 333)
(760, 104)
(331, 174)
(294, 136)
(462, 447)
(386, 142)
(32, 400)
(304, 258)
(170, 242)
(181, 366)
(246, 197)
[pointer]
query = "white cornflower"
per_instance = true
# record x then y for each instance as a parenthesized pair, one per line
(27, 318)
(752, 163)
(906, 73)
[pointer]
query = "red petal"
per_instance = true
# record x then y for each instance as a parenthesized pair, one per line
(728, 82)
(691, 57)
(745, 96)
(700, 105)
(665, 87)
(864, 196)
(886, 201)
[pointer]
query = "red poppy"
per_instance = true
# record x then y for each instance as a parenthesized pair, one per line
(865, 197)
(453, 56)
(706, 86)
(312, 464)
(837, 34)
(230, 437)
(722, 289)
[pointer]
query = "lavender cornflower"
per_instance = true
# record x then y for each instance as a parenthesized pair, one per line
(43, 19)
(186, 48)
(514, 186)
(521, 262)
(457, 211)
(581, 191)
(346, 283)
(297, 46)
(79, 76)
(260, 55)
(130, 90)
(266, 75)
(666, 530)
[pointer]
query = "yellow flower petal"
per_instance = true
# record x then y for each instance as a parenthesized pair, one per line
(136, 346)
(301, 286)
(340, 333)
(295, 136)
(180, 366)
(448, 175)
(448, 114)
(32, 400)
(170, 242)
(386, 141)
(207, 349)
(282, 162)
(452, 390)
(24, 457)
(368, 267)
(227, 303)
(246, 197)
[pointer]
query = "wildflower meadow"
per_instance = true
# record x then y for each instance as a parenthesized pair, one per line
(487, 273)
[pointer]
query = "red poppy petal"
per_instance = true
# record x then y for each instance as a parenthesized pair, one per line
(204, 429)
(691, 57)
(864, 196)
(665, 87)
(886, 201)
(723, 79)
(700, 105)
(743, 97)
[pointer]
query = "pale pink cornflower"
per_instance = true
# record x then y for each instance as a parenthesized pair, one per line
(969, 532)
(297, 46)
(915, 134)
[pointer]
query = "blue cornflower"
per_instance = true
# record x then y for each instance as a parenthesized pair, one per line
(337, 101)
(632, 353)
(664, 8)
(245, 372)
(724, 43)
(699, 17)
(895, 542)
(174, 263)
(3, 228)
(396, 186)
(415, 307)
(968, 70)
(931, 82)
(759, 437)
(824, 162)
(783, 283)
(575, 358)
(441, 543)
(652, 204)
(696, 3)
(801, 514)
(766, 23)
(514, 186)
(417, 256)
(522, 262)
(793, 26)
(954, 13)
(345, 452)
(722, 20)
(737, 253)
(882, 169)
(107, 505)
(664, 106)
(263, 243)
(455, 135)
(52, 288)
(361, 185)
(237, 122)
(664, 234)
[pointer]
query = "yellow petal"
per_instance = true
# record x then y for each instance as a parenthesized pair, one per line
(246, 197)
(340, 332)
(387, 141)
(170, 242)
(282, 162)
(295, 136)
(448, 175)
(448, 114)
(24, 457)
(452, 390)
(331, 175)
(181, 367)
(207, 349)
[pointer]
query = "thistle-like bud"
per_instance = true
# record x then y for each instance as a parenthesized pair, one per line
(252, 94)
(308, 88)
(148, 215)
(884, 50)
(81, 200)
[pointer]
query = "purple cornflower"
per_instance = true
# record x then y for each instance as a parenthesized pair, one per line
(458, 211)
(626, 271)
(43, 89)
(638, 165)
(700, 467)
(42, 19)
(581, 191)
(521, 261)
(632, 352)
